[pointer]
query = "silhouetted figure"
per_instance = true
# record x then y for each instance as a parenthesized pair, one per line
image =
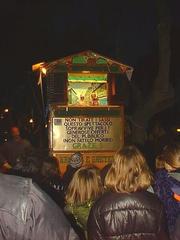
(167, 179)
(51, 181)
(12, 149)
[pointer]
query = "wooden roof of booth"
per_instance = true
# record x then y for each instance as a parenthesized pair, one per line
(85, 61)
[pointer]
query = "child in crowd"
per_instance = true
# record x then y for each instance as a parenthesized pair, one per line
(167, 183)
(83, 190)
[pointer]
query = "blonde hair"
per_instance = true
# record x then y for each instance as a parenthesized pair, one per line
(171, 156)
(129, 171)
(85, 185)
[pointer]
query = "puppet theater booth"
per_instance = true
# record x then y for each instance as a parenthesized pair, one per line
(85, 113)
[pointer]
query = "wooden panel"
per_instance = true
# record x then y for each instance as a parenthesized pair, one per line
(57, 88)
(97, 159)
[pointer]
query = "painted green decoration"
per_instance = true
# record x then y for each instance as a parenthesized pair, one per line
(101, 61)
(79, 60)
(87, 78)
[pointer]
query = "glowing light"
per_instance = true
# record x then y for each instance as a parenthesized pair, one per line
(178, 130)
(44, 70)
(6, 110)
(85, 71)
(31, 120)
(46, 126)
(37, 66)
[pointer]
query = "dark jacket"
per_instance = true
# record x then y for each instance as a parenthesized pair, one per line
(52, 185)
(176, 235)
(137, 216)
(27, 213)
(164, 183)
(67, 177)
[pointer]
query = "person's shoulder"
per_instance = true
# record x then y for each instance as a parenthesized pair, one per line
(136, 200)
(68, 209)
(142, 201)
(146, 199)
(107, 200)
(48, 210)
(17, 190)
(15, 182)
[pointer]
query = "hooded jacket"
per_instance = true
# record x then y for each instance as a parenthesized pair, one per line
(137, 216)
(27, 213)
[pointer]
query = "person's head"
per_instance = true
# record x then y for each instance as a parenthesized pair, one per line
(15, 132)
(129, 171)
(50, 168)
(28, 164)
(171, 156)
(85, 185)
(76, 160)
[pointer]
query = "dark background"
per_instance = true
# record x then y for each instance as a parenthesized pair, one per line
(33, 31)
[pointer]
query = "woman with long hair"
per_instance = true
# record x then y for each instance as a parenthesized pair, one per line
(127, 210)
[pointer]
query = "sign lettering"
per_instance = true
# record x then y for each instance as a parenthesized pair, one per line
(87, 133)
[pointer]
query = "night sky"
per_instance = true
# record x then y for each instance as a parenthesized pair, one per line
(33, 31)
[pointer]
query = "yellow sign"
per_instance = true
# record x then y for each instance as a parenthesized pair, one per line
(87, 133)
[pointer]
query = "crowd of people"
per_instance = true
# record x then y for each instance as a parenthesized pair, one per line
(125, 200)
